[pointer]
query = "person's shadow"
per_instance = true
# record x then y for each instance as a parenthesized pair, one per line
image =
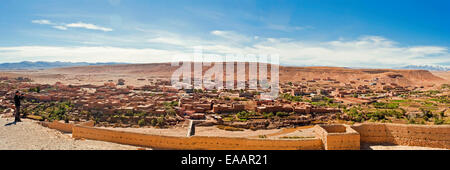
(11, 123)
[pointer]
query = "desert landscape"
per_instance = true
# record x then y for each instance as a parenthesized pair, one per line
(139, 98)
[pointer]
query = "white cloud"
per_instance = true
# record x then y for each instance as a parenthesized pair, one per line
(42, 21)
(231, 36)
(366, 51)
(88, 26)
(60, 27)
(168, 40)
(72, 25)
(85, 54)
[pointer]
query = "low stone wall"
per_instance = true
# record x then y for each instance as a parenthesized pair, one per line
(329, 137)
(63, 127)
(338, 137)
(437, 136)
(194, 142)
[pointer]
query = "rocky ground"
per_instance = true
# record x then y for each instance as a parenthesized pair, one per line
(28, 135)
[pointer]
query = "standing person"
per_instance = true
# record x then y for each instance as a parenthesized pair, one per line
(17, 98)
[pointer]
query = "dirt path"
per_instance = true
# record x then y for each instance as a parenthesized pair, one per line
(28, 135)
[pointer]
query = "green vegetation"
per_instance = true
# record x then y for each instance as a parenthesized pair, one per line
(411, 121)
(438, 121)
(381, 105)
(198, 91)
(169, 107)
(289, 97)
(426, 114)
(400, 101)
(445, 86)
(357, 115)
(35, 89)
(325, 102)
(153, 122)
(246, 114)
(52, 110)
(441, 99)
(170, 104)
(140, 114)
(282, 114)
(141, 122)
(160, 121)
(268, 115)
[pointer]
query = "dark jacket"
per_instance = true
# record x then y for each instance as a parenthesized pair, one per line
(17, 99)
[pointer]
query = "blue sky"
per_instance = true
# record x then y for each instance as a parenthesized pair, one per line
(349, 33)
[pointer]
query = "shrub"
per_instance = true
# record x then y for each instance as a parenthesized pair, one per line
(282, 114)
(438, 121)
(141, 122)
(268, 115)
(412, 121)
(426, 114)
(381, 105)
(160, 121)
(153, 122)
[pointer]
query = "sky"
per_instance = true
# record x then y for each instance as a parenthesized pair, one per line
(344, 33)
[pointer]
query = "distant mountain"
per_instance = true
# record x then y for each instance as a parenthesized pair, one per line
(24, 65)
(426, 67)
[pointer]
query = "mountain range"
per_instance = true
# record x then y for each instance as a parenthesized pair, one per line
(25, 65)
(426, 67)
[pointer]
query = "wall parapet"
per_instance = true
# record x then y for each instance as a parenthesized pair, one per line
(338, 137)
(329, 137)
(437, 136)
(193, 142)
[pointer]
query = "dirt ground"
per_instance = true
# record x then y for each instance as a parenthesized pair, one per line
(28, 135)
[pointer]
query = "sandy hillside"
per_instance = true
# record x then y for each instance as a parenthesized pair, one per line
(132, 72)
(443, 74)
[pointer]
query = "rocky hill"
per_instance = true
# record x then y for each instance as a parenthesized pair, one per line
(165, 70)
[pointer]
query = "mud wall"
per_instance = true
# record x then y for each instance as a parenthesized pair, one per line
(194, 142)
(330, 137)
(437, 136)
(63, 127)
(338, 137)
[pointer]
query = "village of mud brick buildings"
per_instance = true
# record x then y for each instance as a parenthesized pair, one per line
(117, 104)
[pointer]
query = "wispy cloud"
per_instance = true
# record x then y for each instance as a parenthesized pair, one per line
(231, 36)
(62, 26)
(42, 21)
(88, 26)
(168, 40)
(161, 46)
(85, 54)
(287, 28)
